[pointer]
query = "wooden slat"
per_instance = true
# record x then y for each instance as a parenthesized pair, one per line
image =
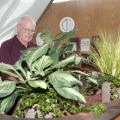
(90, 16)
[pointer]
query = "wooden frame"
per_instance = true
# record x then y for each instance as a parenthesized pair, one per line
(76, 44)
(85, 44)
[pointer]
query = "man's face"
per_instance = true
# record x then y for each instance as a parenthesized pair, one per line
(26, 31)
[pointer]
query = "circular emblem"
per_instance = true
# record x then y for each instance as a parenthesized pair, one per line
(67, 24)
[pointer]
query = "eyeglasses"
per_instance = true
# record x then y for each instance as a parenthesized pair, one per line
(27, 29)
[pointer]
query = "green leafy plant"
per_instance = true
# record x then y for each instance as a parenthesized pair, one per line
(42, 68)
(96, 108)
(106, 56)
(114, 94)
(49, 101)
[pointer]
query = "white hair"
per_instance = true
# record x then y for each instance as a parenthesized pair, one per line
(26, 17)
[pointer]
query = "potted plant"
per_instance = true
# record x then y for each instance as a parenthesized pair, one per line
(43, 69)
(106, 57)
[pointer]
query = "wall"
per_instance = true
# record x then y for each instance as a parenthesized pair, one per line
(90, 16)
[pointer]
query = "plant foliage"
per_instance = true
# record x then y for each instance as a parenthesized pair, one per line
(43, 67)
(49, 102)
(106, 56)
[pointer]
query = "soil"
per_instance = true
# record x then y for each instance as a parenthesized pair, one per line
(96, 98)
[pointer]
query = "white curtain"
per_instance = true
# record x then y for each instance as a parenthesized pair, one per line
(12, 10)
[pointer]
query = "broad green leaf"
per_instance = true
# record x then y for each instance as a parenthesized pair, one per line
(55, 51)
(28, 75)
(8, 102)
(68, 46)
(77, 60)
(26, 52)
(36, 54)
(42, 63)
(63, 79)
(4, 66)
(58, 49)
(63, 63)
(10, 73)
(10, 70)
(18, 66)
(38, 83)
(92, 80)
(80, 72)
(65, 35)
(70, 93)
(6, 88)
(0, 79)
(47, 37)
(7, 67)
(76, 88)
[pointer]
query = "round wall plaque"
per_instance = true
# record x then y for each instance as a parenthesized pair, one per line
(67, 24)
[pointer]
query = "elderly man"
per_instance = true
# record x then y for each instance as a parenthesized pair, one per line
(10, 50)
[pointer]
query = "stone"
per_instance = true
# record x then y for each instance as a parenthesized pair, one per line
(30, 113)
(49, 115)
(118, 91)
(106, 92)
